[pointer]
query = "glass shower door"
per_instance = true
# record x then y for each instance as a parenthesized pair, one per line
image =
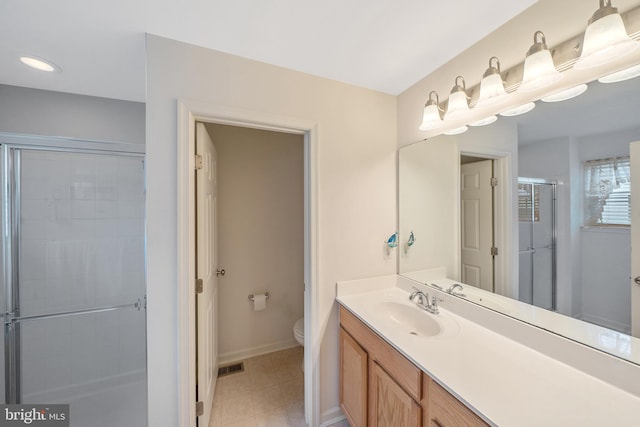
(75, 332)
(537, 249)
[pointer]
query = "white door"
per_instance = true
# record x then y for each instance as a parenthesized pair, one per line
(477, 224)
(635, 238)
(206, 267)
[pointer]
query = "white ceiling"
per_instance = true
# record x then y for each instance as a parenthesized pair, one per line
(378, 44)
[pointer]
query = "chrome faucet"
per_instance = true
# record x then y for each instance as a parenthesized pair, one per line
(452, 290)
(422, 300)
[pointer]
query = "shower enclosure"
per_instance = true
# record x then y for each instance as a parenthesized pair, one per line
(73, 278)
(537, 236)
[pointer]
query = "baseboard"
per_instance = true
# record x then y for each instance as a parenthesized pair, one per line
(235, 356)
(331, 417)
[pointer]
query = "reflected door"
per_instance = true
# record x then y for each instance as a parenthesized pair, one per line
(476, 199)
(75, 332)
(537, 249)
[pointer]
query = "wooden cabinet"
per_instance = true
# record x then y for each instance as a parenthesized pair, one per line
(379, 387)
(353, 380)
(391, 405)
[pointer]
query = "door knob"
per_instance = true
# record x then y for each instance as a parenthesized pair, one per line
(222, 272)
(637, 280)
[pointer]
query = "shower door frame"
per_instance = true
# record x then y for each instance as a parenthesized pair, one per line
(554, 234)
(11, 146)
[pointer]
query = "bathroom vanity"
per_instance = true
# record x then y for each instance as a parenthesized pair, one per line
(402, 366)
(380, 386)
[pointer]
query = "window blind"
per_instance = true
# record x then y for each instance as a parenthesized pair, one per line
(607, 191)
(528, 204)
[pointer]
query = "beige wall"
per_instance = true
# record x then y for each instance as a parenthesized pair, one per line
(356, 188)
(260, 237)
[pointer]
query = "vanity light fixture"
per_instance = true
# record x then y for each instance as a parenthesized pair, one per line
(458, 100)
(605, 39)
(539, 70)
(565, 94)
(622, 75)
(39, 63)
(524, 108)
(431, 118)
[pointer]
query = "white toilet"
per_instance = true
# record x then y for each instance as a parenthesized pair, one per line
(298, 333)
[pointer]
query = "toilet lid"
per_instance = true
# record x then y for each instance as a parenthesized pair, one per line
(298, 327)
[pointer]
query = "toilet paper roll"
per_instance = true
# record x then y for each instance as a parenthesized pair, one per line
(259, 302)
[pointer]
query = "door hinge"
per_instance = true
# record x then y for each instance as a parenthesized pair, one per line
(199, 162)
(199, 408)
(199, 286)
(494, 251)
(494, 182)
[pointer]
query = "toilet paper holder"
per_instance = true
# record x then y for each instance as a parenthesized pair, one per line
(251, 298)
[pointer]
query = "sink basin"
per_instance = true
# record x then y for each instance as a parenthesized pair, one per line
(411, 318)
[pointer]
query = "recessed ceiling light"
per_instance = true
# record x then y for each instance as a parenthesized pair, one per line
(39, 63)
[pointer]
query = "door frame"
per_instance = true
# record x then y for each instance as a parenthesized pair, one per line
(504, 231)
(190, 111)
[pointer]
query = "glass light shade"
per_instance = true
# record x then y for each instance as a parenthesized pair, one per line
(491, 88)
(565, 94)
(539, 71)
(485, 121)
(458, 103)
(622, 75)
(491, 85)
(524, 108)
(457, 131)
(431, 118)
(605, 40)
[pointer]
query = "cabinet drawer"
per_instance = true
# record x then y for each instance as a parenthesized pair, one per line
(405, 373)
(447, 411)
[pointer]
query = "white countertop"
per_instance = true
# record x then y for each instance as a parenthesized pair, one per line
(503, 381)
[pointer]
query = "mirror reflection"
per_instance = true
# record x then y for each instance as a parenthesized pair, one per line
(563, 169)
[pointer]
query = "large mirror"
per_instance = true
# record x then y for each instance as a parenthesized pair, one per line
(558, 219)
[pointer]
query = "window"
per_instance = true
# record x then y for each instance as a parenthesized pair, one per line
(528, 202)
(607, 192)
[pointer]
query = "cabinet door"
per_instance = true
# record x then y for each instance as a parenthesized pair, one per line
(447, 411)
(391, 406)
(353, 380)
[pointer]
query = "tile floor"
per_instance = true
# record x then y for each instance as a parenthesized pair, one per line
(269, 393)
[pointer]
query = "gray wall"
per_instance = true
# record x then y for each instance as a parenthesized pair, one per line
(41, 112)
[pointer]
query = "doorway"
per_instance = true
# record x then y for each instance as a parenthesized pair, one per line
(259, 211)
(189, 112)
(537, 237)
